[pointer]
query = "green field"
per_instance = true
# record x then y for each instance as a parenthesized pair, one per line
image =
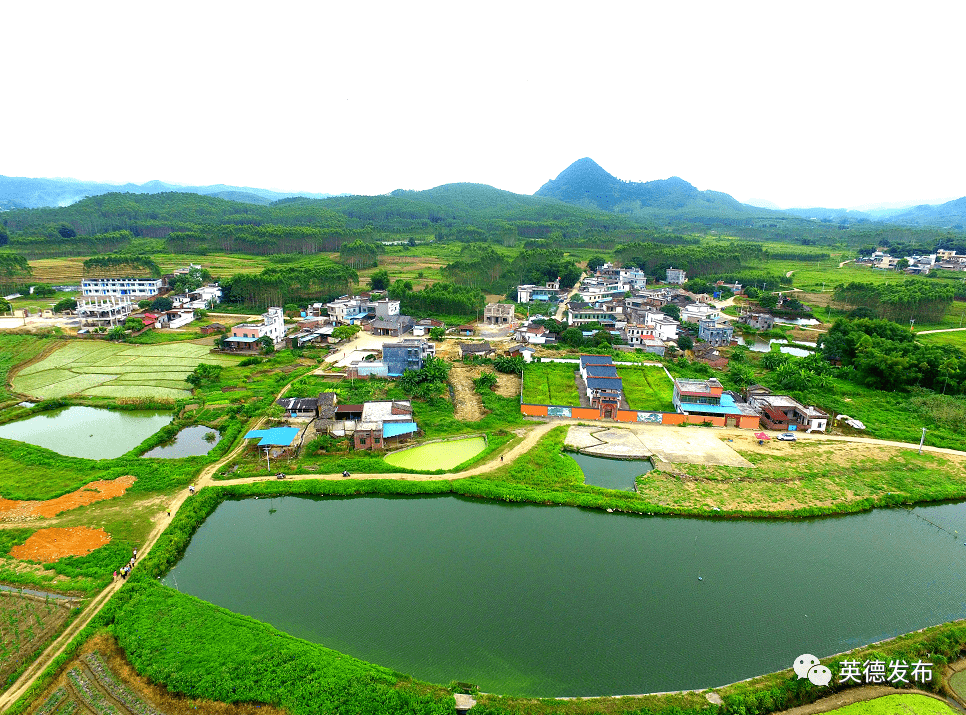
(15, 349)
(550, 383)
(647, 388)
(909, 704)
(115, 370)
(955, 339)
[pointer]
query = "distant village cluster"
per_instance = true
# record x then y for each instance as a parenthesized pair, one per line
(915, 265)
(613, 299)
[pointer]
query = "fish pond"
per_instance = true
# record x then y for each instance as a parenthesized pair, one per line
(438, 455)
(611, 473)
(548, 601)
(88, 432)
(189, 442)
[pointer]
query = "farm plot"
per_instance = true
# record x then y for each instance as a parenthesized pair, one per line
(550, 383)
(647, 388)
(115, 370)
(26, 622)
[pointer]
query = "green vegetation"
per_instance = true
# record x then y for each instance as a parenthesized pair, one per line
(806, 478)
(891, 704)
(15, 350)
(647, 388)
(278, 285)
(101, 369)
(550, 383)
(922, 300)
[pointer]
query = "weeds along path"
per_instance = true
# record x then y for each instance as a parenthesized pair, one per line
(525, 445)
(36, 669)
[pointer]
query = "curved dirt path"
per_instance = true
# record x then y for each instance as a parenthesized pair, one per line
(36, 669)
(204, 479)
(943, 330)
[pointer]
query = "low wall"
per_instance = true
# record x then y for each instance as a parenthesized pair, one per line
(655, 418)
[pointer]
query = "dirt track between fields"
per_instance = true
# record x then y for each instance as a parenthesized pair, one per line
(530, 438)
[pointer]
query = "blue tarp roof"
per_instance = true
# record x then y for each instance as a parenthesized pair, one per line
(727, 407)
(241, 340)
(394, 429)
(274, 437)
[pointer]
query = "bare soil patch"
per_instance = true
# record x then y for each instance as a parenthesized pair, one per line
(466, 401)
(12, 510)
(48, 545)
(507, 385)
(28, 622)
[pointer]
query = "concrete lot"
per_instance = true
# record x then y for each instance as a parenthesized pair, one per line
(669, 444)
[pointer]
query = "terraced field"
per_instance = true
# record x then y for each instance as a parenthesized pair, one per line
(115, 370)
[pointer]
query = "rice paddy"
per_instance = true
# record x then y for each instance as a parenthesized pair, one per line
(115, 370)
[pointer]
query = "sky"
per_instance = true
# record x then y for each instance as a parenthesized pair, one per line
(835, 104)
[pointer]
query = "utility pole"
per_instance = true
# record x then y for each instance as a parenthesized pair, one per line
(922, 439)
(268, 460)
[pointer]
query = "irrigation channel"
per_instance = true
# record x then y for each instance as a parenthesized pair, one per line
(554, 601)
(87, 432)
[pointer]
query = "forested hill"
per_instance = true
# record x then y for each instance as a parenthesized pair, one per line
(464, 212)
(21, 192)
(951, 214)
(586, 183)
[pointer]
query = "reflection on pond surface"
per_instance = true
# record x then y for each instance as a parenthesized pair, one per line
(555, 601)
(89, 432)
(611, 473)
(189, 442)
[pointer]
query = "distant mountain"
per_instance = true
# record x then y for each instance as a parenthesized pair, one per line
(585, 183)
(21, 192)
(951, 214)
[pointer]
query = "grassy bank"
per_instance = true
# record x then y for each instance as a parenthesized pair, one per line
(806, 478)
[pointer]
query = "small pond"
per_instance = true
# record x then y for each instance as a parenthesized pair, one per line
(798, 321)
(189, 442)
(438, 455)
(611, 473)
(760, 346)
(551, 601)
(88, 432)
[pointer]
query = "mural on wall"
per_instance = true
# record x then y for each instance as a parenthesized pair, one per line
(654, 417)
(558, 412)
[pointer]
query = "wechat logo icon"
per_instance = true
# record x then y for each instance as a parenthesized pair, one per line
(807, 666)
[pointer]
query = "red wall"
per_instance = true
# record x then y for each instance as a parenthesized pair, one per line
(667, 418)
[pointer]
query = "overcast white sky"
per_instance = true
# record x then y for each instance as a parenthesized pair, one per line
(804, 104)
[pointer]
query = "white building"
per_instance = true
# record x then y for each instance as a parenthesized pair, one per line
(245, 335)
(665, 327)
(134, 287)
(676, 276)
(104, 311)
(696, 312)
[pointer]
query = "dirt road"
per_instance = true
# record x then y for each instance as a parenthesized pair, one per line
(531, 436)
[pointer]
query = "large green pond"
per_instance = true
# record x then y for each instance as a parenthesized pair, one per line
(88, 432)
(555, 601)
(438, 455)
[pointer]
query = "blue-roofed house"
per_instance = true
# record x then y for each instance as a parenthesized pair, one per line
(276, 440)
(586, 360)
(384, 423)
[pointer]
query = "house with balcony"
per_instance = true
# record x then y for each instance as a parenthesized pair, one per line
(715, 332)
(786, 414)
(498, 314)
(675, 276)
(405, 355)
(245, 336)
(707, 398)
(135, 288)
